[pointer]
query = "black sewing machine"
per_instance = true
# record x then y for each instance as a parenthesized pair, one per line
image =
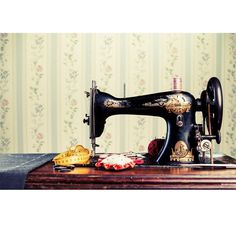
(186, 141)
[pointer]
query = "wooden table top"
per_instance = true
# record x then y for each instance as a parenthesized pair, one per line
(140, 177)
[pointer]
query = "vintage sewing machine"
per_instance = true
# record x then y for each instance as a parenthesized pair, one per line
(185, 141)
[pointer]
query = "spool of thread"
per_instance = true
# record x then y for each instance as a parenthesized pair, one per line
(177, 83)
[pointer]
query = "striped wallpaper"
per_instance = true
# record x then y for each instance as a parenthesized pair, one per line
(43, 78)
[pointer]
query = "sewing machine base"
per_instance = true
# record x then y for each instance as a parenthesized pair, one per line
(148, 161)
(139, 177)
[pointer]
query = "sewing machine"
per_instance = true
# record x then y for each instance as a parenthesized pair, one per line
(186, 141)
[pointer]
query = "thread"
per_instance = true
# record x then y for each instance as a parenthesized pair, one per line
(177, 83)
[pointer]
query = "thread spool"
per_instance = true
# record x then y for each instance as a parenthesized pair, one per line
(177, 83)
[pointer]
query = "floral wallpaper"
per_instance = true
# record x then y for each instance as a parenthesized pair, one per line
(172, 56)
(204, 47)
(230, 93)
(71, 59)
(138, 62)
(105, 66)
(43, 78)
(5, 139)
(36, 91)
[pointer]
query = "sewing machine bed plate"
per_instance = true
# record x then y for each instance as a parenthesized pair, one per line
(139, 177)
(220, 160)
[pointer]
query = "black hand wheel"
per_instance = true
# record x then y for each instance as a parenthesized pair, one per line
(214, 99)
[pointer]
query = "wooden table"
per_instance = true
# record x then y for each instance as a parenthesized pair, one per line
(145, 177)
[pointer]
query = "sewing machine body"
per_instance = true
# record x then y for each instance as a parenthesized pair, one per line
(184, 138)
(174, 107)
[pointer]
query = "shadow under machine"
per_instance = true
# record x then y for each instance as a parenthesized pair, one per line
(186, 141)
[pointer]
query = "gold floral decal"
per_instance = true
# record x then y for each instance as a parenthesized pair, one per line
(181, 153)
(115, 104)
(174, 103)
(177, 105)
(111, 103)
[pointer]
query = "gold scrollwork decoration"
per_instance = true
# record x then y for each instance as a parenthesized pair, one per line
(113, 104)
(181, 153)
(177, 105)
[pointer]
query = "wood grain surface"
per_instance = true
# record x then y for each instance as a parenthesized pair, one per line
(140, 177)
